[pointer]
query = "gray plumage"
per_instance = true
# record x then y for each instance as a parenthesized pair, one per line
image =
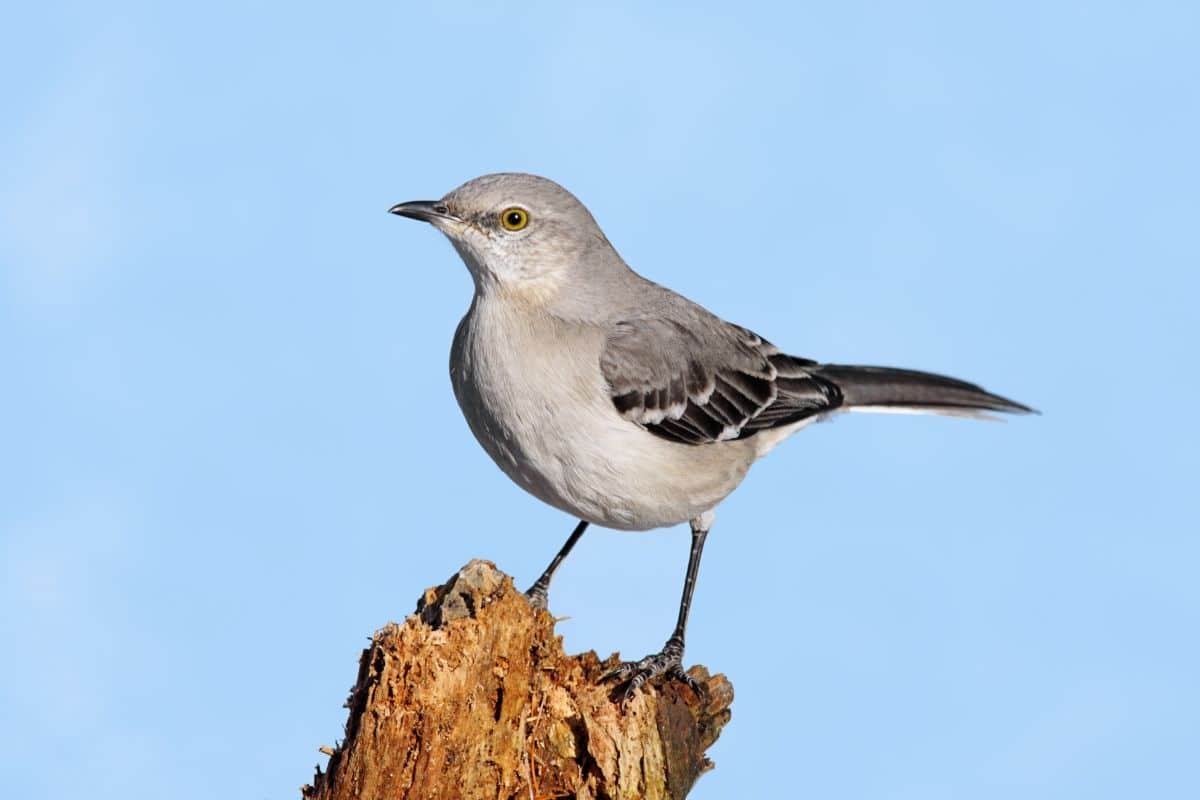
(615, 399)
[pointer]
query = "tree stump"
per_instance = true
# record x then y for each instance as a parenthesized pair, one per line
(473, 697)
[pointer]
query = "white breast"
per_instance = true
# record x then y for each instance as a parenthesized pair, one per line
(533, 395)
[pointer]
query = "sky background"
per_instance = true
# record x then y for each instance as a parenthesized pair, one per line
(229, 449)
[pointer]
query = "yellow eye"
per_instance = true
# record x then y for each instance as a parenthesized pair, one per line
(513, 219)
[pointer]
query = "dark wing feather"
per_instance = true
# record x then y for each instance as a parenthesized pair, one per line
(709, 381)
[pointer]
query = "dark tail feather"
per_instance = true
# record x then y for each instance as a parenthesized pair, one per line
(885, 389)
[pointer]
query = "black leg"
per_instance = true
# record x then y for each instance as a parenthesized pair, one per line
(537, 593)
(689, 583)
(669, 662)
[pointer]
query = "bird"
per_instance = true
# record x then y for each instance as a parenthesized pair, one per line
(619, 401)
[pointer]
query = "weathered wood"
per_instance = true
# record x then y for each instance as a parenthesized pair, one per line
(473, 697)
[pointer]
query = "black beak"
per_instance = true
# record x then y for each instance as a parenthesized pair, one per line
(424, 210)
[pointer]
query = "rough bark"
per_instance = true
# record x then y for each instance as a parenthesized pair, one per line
(473, 697)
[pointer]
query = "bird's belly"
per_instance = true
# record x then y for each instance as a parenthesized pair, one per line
(624, 479)
(560, 438)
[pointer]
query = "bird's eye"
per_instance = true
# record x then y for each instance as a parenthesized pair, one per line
(514, 219)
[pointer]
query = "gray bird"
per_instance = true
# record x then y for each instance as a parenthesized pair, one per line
(617, 400)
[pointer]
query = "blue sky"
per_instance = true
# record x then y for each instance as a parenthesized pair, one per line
(230, 449)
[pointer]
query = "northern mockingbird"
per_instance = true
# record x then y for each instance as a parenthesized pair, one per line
(617, 400)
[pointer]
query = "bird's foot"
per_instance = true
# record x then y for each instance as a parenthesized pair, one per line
(538, 597)
(633, 675)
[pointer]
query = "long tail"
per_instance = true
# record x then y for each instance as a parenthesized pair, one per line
(885, 389)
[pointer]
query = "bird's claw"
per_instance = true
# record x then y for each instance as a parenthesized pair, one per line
(633, 675)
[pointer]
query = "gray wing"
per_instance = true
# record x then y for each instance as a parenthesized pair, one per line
(707, 380)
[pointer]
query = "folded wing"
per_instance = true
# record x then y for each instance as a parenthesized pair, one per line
(710, 381)
(701, 384)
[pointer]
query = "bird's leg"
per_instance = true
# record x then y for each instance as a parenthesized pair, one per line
(537, 593)
(669, 661)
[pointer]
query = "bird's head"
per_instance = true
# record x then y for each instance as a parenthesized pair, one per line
(519, 234)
